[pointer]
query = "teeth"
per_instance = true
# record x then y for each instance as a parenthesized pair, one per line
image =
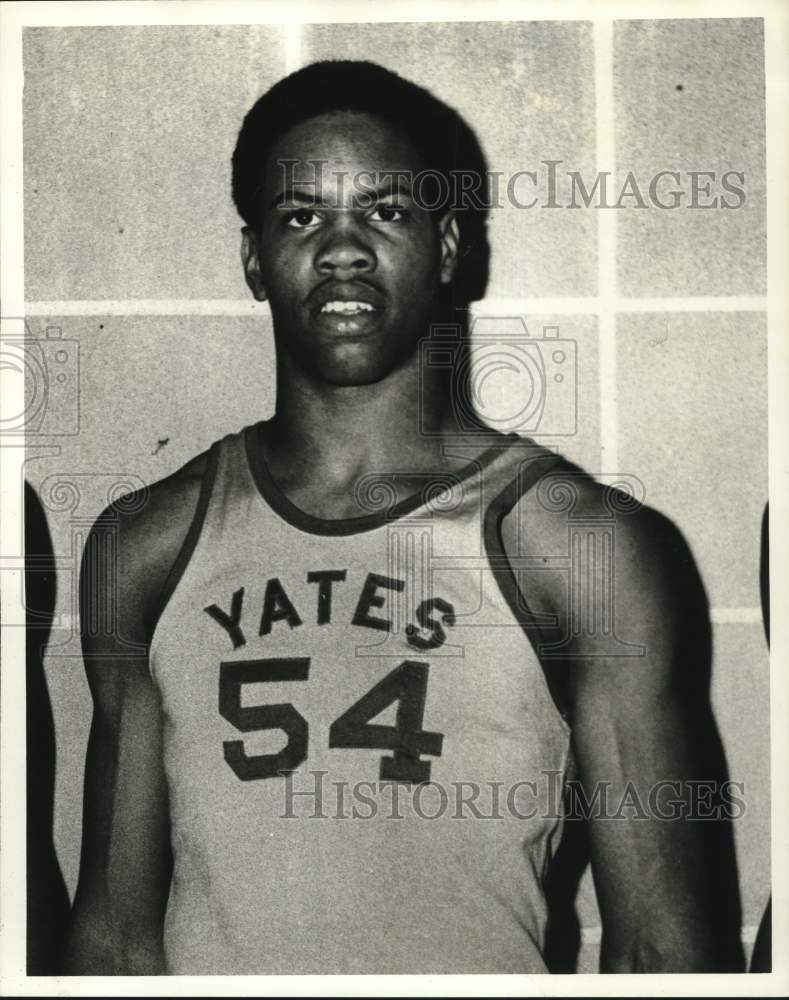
(347, 308)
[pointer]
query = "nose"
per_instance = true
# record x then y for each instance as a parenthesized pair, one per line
(344, 252)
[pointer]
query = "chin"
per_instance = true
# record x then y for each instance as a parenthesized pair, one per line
(343, 375)
(353, 365)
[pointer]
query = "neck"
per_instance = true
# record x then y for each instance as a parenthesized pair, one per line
(344, 430)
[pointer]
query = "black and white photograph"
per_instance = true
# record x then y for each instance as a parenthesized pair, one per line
(389, 484)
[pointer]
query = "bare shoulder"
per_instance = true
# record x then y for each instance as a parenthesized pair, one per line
(646, 547)
(148, 529)
(157, 515)
(597, 558)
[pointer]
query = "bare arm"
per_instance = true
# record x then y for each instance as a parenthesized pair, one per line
(118, 914)
(643, 733)
(125, 869)
(641, 725)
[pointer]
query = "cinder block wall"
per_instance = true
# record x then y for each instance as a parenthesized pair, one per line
(131, 250)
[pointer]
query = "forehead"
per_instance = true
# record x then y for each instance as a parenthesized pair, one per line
(344, 141)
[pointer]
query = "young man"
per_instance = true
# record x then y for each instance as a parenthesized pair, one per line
(307, 667)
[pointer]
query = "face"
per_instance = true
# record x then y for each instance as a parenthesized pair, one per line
(351, 270)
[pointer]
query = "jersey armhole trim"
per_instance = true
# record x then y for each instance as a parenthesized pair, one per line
(187, 546)
(498, 561)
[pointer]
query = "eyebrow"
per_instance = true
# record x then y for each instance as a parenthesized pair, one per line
(291, 194)
(382, 190)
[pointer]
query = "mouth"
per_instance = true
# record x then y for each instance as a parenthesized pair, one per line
(340, 307)
(345, 298)
(348, 310)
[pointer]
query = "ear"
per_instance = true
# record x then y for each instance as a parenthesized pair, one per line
(449, 235)
(250, 258)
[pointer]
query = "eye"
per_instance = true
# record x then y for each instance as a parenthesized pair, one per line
(388, 213)
(302, 218)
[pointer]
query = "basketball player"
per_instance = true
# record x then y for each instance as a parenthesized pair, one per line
(286, 677)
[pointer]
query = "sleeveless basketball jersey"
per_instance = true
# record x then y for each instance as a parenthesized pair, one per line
(364, 759)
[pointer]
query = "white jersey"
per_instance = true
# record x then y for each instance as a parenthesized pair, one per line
(365, 763)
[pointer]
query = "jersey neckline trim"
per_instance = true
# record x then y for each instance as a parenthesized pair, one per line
(297, 518)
